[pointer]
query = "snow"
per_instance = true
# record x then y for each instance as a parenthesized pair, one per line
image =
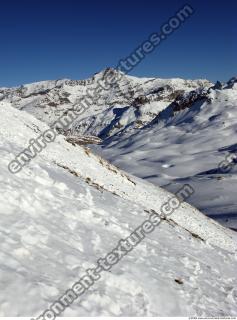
(68, 207)
(186, 147)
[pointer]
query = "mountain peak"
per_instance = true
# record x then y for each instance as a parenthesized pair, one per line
(108, 70)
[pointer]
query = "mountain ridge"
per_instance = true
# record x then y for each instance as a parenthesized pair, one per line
(69, 207)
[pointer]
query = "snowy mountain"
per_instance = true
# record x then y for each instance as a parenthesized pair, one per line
(167, 131)
(130, 102)
(68, 207)
(187, 143)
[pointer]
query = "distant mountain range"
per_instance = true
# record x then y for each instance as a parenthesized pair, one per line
(164, 130)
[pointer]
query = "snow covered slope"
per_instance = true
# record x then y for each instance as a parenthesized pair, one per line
(185, 144)
(68, 207)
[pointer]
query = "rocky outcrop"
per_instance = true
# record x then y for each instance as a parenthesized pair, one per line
(186, 101)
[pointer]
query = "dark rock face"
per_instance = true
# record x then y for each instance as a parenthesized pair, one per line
(186, 101)
(231, 82)
(218, 85)
(162, 89)
(139, 101)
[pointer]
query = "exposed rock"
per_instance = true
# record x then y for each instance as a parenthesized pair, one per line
(83, 140)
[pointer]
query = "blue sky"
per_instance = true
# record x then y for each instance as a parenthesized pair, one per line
(73, 39)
